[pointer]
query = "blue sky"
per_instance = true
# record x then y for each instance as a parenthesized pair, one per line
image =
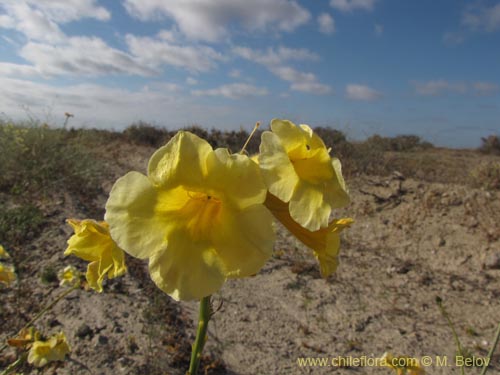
(424, 67)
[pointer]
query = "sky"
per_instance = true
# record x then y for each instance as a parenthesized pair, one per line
(388, 67)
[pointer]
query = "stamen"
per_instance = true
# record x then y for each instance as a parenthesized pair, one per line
(257, 124)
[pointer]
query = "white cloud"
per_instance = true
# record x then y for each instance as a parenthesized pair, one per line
(100, 106)
(274, 61)
(350, 5)
(16, 70)
(234, 73)
(154, 52)
(191, 81)
(439, 87)
(304, 82)
(233, 91)
(378, 29)
(82, 56)
(326, 23)
(452, 38)
(361, 92)
(38, 20)
(168, 35)
(485, 88)
(272, 57)
(275, 57)
(211, 20)
(481, 17)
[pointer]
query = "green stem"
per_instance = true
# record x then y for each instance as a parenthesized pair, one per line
(451, 325)
(44, 310)
(492, 349)
(201, 335)
(22, 358)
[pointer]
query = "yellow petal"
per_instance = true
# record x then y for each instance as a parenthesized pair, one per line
(7, 275)
(292, 137)
(181, 160)
(277, 170)
(325, 242)
(244, 240)
(237, 177)
(95, 275)
(309, 208)
(92, 242)
(3, 253)
(43, 352)
(131, 214)
(187, 270)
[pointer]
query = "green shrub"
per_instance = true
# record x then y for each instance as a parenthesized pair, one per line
(35, 159)
(20, 224)
(145, 134)
(487, 176)
(490, 145)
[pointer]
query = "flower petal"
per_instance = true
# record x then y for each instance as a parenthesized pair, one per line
(95, 275)
(325, 242)
(181, 161)
(237, 177)
(244, 240)
(277, 169)
(292, 137)
(130, 212)
(187, 270)
(309, 208)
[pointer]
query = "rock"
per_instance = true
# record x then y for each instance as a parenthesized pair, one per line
(84, 331)
(439, 241)
(102, 340)
(492, 261)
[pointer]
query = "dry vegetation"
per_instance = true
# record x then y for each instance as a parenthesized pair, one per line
(48, 175)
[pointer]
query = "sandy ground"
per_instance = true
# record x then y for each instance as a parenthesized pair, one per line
(412, 241)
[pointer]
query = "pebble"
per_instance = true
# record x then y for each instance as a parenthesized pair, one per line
(83, 331)
(492, 261)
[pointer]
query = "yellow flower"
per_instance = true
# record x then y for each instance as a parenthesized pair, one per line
(324, 242)
(92, 243)
(198, 216)
(403, 365)
(7, 275)
(298, 169)
(54, 349)
(3, 253)
(68, 276)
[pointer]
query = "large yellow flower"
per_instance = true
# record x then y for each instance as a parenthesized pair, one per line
(7, 275)
(92, 243)
(298, 169)
(54, 349)
(324, 242)
(198, 216)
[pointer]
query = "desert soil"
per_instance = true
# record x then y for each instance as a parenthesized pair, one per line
(411, 242)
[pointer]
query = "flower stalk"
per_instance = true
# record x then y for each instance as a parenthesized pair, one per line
(201, 335)
(44, 310)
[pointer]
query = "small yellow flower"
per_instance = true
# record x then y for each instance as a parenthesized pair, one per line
(7, 275)
(402, 365)
(324, 242)
(298, 169)
(68, 276)
(92, 243)
(198, 216)
(3, 253)
(54, 349)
